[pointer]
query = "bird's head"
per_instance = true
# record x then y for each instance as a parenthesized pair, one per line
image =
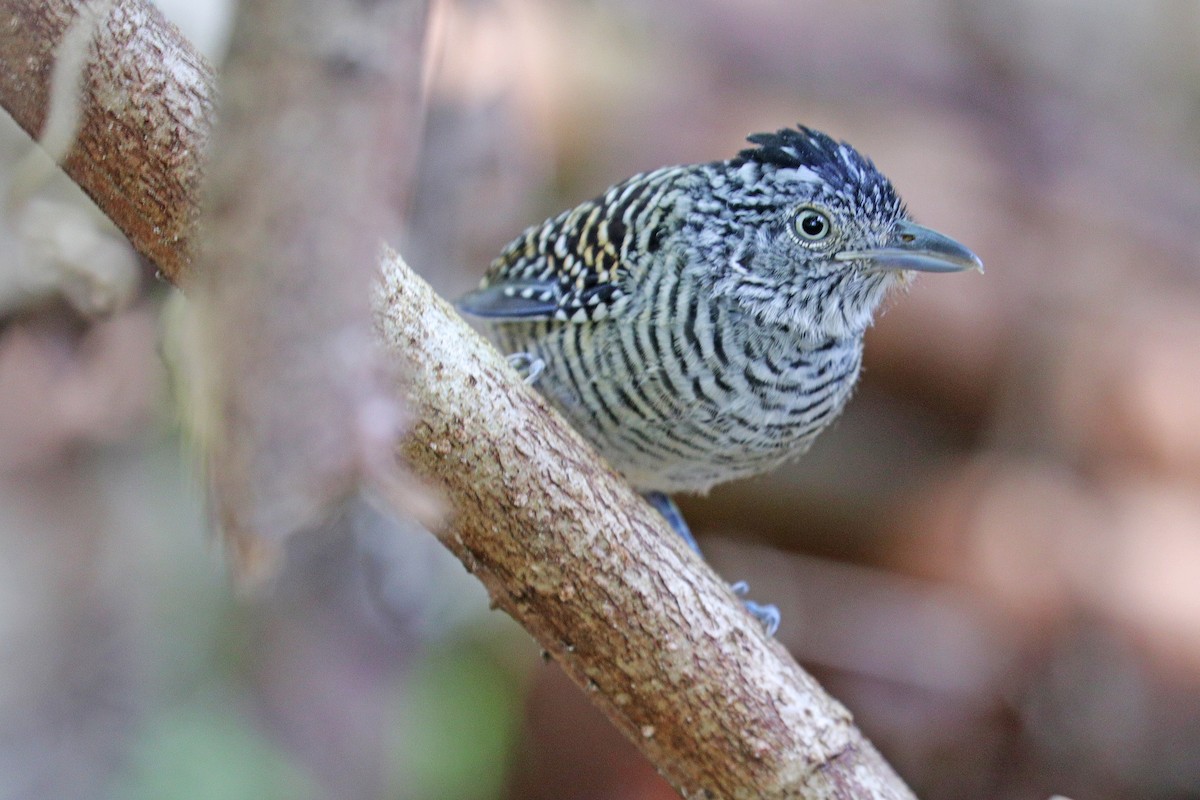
(807, 232)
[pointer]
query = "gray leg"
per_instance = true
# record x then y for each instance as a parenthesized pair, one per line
(767, 615)
(666, 506)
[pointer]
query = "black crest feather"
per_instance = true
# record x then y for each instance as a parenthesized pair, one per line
(837, 163)
(792, 147)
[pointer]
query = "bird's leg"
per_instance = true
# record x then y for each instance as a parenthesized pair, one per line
(528, 365)
(767, 615)
(666, 506)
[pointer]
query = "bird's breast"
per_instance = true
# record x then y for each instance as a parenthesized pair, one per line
(680, 407)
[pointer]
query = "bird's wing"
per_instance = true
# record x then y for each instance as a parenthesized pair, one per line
(576, 266)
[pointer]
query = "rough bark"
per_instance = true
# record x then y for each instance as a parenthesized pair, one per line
(148, 108)
(568, 549)
(561, 542)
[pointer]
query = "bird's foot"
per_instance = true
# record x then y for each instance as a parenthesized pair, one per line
(767, 615)
(529, 366)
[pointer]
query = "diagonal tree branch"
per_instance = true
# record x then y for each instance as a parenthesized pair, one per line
(561, 542)
(633, 615)
(148, 109)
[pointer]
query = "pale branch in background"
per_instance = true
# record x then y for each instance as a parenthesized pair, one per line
(562, 543)
(320, 116)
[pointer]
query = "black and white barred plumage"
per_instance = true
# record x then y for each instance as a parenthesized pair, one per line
(703, 323)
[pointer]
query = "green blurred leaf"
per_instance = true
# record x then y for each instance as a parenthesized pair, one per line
(200, 753)
(458, 725)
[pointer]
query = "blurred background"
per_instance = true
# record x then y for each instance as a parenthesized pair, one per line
(993, 558)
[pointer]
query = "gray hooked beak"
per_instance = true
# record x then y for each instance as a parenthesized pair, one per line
(916, 247)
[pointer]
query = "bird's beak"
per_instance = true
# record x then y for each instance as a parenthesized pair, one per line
(912, 246)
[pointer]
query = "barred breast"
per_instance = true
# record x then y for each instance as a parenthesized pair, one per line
(683, 392)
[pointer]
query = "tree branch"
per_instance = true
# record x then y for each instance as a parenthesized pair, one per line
(148, 109)
(562, 543)
(568, 549)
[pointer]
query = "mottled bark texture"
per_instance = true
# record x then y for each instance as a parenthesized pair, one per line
(561, 542)
(147, 110)
(585, 565)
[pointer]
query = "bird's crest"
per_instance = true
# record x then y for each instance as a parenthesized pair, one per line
(792, 147)
(806, 150)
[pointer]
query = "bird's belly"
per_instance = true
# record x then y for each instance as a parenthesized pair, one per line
(701, 444)
(672, 423)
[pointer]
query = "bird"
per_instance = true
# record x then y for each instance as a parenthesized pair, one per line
(704, 322)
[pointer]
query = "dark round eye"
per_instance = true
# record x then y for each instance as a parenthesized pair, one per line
(813, 225)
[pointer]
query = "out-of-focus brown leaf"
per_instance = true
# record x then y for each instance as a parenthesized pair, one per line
(1014, 530)
(63, 387)
(1125, 386)
(1147, 582)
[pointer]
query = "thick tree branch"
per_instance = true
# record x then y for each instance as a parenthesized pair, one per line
(584, 564)
(148, 109)
(561, 542)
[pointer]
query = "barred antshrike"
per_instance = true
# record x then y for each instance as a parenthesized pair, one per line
(702, 323)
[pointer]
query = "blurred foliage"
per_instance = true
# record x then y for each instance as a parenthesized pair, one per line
(467, 716)
(195, 752)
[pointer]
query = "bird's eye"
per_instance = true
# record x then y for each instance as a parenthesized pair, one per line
(813, 225)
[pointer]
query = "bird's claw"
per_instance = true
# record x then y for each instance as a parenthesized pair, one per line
(528, 365)
(767, 615)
